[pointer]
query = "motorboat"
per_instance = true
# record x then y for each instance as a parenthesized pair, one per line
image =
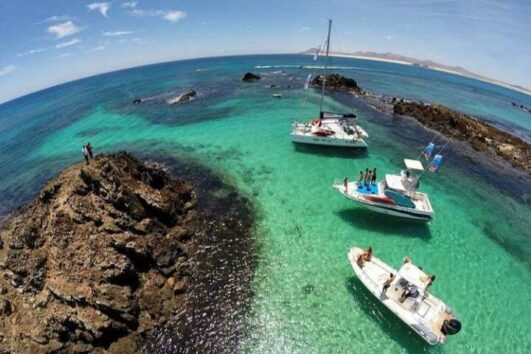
(395, 195)
(277, 95)
(405, 294)
(329, 129)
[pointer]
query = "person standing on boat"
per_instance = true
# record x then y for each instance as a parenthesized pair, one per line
(387, 283)
(360, 181)
(365, 175)
(373, 179)
(369, 179)
(85, 154)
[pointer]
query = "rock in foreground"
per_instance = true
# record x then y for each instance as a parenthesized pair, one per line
(250, 77)
(97, 261)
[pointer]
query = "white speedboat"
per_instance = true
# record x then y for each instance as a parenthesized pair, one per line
(330, 129)
(407, 297)
(396, 195)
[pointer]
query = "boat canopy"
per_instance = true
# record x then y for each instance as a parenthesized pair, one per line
(414, 165)
(414, 275)
(395, 182)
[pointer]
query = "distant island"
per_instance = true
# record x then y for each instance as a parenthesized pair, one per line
(429, 64)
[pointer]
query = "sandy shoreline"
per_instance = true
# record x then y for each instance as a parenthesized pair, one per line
(490, 81)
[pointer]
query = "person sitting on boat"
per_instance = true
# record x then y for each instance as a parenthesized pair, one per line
(410, 291)
(366, 256)
(360, 181)
(345, 183)
(406, 260)
(429, 280)
(373, 179)
(408, 173)
(387, 283)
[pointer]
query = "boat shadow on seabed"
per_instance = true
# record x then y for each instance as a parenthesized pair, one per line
(389, 323)
(389, 225)
(331, 151)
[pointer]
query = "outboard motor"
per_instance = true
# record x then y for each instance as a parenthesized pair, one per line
(451, 326)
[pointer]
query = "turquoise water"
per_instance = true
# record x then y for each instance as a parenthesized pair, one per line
(306, 298)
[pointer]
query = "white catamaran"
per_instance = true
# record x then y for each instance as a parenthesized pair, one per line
(396, 195)
(405, 294)
(330, 129)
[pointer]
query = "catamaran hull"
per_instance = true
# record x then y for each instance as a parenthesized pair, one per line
(393, 210)
(328, 141)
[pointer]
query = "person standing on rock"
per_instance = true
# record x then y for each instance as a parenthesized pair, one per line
(89, 151)
(85, 154)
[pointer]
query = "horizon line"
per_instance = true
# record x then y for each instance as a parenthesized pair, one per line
(495, 82)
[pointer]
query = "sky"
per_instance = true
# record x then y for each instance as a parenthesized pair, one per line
(47, 42)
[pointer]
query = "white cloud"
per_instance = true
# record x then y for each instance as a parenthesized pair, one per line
(129, 4)
(63, 29)
(304, 29)
(32, 51)
(96, 49)
(69, 43)
(57, 18)
(174, 16)
(168, 15)
(64, 55)
(116, 33)
(102, 7)
(389, 38)
(7, 69)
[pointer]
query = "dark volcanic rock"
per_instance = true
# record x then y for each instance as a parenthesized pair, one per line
(250, 77)
(481, 136)
(338, 82)
(185, 97)
(137, 101)
(99, 259)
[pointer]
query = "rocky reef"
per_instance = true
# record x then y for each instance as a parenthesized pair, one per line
(480, 135)
(104, 256)
(338, 82)
(185, 97)
(250, 77)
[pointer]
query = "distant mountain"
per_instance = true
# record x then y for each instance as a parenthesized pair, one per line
(391, 57)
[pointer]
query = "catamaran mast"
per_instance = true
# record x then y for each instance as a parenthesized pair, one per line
(325, 68)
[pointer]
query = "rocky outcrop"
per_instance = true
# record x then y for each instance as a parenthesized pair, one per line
(480, 135)
(338, 82)
(185, 97)
(250, 77)
(98, 260)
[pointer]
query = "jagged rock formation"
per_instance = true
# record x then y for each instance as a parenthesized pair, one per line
(480, 135)
(185, 97)
(250, 77)
(97, 260)
(338, 82)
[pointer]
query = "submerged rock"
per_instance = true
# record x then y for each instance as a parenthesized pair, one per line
(137, 101)
(250, 77)
(338, 82)
(98, 260)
